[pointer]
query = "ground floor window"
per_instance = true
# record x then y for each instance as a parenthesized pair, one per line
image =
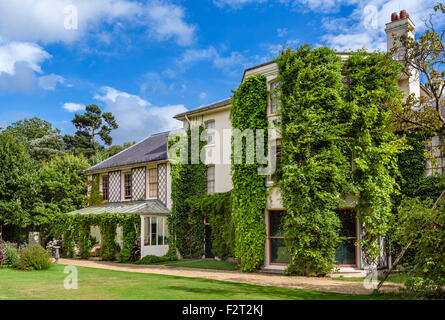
(156, 231)
(278, 253)
(346, 254)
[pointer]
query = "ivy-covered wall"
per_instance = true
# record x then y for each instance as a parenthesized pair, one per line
(338, 138)
(187, 231)
(77, 229)
(249, 111)
(218, 208)
(314, 166)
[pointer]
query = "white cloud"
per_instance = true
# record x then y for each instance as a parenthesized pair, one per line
(49, 82)
(73, 107)
(235, 3)
(365, 27)
(29, 53)
(137, 118)
(43, 21)
(202, 95)
(226, 63)
(19, 62)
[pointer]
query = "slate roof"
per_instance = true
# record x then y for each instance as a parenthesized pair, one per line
(153, 148)
(205, 108)
(136, 207)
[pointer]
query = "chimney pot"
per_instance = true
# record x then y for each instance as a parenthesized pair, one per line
(403, 14)
(394, 17)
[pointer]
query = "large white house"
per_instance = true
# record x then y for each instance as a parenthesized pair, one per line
(137, 181)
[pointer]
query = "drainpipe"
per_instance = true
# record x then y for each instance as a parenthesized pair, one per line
(188, 120)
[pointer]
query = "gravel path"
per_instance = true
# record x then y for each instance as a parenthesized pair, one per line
(262, 279)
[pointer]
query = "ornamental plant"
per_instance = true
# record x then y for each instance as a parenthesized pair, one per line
(33, 258)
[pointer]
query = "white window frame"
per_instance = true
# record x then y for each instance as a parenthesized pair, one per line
(148, 236)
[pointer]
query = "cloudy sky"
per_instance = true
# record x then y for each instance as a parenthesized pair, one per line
(146, 61)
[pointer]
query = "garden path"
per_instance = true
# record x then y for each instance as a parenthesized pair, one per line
(262, 279)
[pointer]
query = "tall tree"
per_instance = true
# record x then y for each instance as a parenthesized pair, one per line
(41, 139)
(18, 182)
(30, 129)
(95, 123)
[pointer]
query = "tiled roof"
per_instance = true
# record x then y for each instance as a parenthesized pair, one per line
(135, 207)
(151, 149)
(205, 108)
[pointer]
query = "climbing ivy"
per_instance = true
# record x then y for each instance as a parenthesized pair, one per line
(77, 229)
(372, 83)
(188, 180)
(314, 166)
(338, 139)
(249, 111)
(95, 197)
(218, 208)
(131, 230)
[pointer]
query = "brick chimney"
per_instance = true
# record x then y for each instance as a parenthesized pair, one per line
(398, 25)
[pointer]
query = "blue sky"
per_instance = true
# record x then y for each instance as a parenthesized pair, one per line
(148, 60)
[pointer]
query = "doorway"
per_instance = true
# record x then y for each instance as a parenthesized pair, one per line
(346, 254)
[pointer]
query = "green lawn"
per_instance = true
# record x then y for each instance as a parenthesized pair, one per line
(400, 278)
(203, 264)
(97, 284)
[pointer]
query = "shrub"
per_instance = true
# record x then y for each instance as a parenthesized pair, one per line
(154, 259)
(12, 255)
(33, 258)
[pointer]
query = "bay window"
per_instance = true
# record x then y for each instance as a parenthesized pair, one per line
(156, 231)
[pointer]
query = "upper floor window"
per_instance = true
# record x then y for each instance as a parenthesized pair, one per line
(210, 127)
(127, 186)
(275, 96)
(277, 151)
(211, 180)
(153, 183)
(105, 188)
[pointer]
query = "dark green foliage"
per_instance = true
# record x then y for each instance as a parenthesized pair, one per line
(218, 208)
(11, 255)
(314, 166)
(372, 84)
(63, 182)
(416, 220)
(18, 183)
(31, 129)
(188, 180)
(77, 229)
(338, 139)
(91, 124)
(147, 260)
(131, 230)
(85, 241)
(96, 197)
(108, 224)
(249, 111)
(33, 258)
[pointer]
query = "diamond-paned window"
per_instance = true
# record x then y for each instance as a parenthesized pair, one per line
(138, 183)
(162, 183)
(114, 186)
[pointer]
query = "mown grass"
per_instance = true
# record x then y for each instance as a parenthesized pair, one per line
(99, 284)
(203, 264)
